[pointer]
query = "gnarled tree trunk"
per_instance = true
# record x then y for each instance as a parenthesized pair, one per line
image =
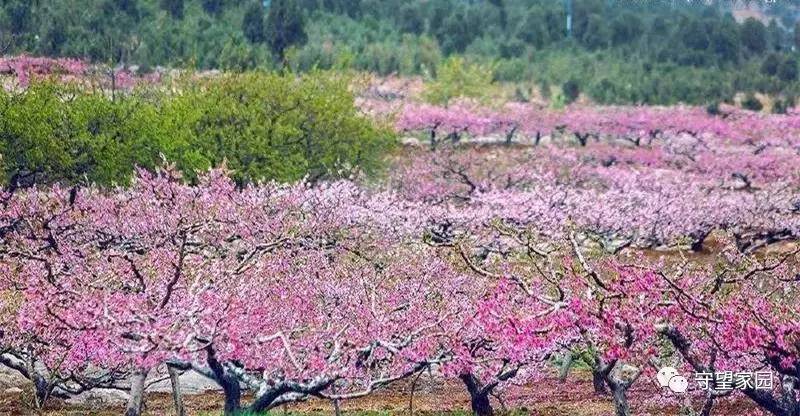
(136, 400)
(478, 396)
(620, 378)
(566, 365)
(621, 406)
(177, 397)
(599, 383)
(228, 382)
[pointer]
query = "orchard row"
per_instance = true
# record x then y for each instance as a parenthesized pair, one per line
(336, 290)
(638, 125)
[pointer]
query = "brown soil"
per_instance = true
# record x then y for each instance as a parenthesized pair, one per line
(549, 398)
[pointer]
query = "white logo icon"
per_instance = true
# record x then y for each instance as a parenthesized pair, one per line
(678, 384)
(665, 374)
(669, 377)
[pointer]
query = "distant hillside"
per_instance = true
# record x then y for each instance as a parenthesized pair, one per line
(615, 51)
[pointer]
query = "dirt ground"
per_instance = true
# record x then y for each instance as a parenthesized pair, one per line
(550, 398)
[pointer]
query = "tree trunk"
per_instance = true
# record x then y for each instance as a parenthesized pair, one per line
(42, 388)
(566, 364)
(336, 410)
(136, 400)
(621, 406)
(177, 397)
(510, 136)
(229, 383)
(768, 402)
(481, 406)
(599, 382)
(619, 385)
(478, 397)
(454, 137)
(707, 406)
(413, 388)
(233, 398)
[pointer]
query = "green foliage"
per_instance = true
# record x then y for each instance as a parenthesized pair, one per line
(787, 70)
(782, 105)
(770, 65)
(253, 23)
(51, 132)
(173, 7)
(285, 26)
(571, 90)
(797, 35)
(212, 7)
(754, 35)
(621, 51)
(456, 77)
(261, 125)
(750, 102)
(280, 127)
(410, 20)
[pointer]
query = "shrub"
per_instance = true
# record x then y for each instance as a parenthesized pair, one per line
(270, 126)
(750, 102)
(262, 125)
(571, 90)
(457, 78)
(60, 133)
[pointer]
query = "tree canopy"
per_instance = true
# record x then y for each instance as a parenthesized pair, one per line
(640, 47)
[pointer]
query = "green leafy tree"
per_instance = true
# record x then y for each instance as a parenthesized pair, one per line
(754, 35)
(571, 90)
(173, 7)
(213, 7)
(626, 28)
(456, 77)
(253, 23)
(263, 125)
(501, 10)
(597, 34)
(457, 31)
(659, 45)
(19, 17)
(533, 29)
(410, 19)
(797, 35)
(725, 42)
(751, 102)
(770, 64)
(787, 70)
(285, 26)
(774, 36)
(695, 35)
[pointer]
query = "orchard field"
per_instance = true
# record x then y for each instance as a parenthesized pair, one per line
(392, 255)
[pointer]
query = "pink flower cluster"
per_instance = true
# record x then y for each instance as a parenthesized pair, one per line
(25, 68)
(636, 125)
(292, 290)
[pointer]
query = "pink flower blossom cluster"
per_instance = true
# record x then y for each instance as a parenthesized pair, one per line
(335, 290)
(636, 125)
(25, 68)
(640, 202)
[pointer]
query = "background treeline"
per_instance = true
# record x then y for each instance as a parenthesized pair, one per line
(262, 126)
(619, 51)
